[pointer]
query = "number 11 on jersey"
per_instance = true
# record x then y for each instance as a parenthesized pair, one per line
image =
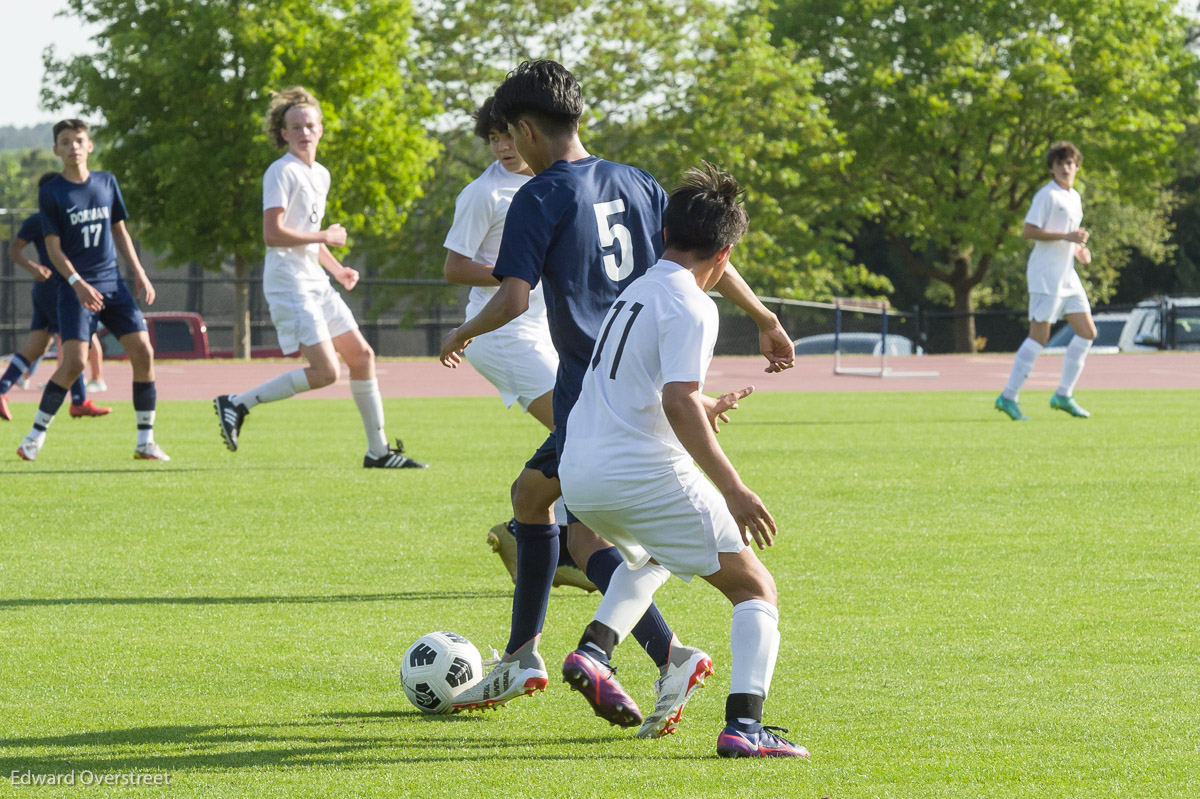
(634, 310)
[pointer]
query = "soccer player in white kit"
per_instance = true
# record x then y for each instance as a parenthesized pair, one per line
(308, 314)
(641, 414)
(519, 358)
(1053, 223)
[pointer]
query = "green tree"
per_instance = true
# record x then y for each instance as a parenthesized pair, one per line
(19, 173)
(182, 87)
(668, 83)
(949, 106)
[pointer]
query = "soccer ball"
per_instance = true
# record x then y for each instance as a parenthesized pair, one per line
(437, 668)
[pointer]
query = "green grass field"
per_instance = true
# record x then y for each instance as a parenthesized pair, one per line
(970, 607)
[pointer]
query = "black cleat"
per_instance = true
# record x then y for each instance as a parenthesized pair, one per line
(394, 459)
(230, 417)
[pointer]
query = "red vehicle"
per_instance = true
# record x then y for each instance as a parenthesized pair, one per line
(173, 334)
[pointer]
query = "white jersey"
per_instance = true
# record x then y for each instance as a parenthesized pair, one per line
(620, 448)
(300, 190)
(1051, 267)
(479, 214)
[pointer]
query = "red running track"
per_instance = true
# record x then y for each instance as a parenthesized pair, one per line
(200, 380)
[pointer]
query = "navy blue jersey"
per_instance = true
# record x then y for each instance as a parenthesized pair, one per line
(31, 231)
(588, 228)
(82, 216)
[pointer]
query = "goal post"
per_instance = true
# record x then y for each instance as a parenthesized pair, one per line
(881, 308)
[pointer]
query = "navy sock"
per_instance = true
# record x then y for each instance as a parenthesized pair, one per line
(52, 399)
(16, 367)
(651, 631)
(537, 558)
(144, 396)
(78, 391)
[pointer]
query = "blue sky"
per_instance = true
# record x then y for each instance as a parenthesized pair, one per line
(31, 27)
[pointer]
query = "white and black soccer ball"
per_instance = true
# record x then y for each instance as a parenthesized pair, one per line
(437, 668)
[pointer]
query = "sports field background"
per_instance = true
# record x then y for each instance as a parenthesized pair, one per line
(970, 607)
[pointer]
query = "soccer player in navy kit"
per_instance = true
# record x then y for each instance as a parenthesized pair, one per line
(589, 227)
(83, 219)
(44, 324)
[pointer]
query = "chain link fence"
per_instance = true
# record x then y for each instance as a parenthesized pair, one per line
(414, 324)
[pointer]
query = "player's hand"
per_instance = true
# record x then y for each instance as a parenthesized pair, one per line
(88, 296)
(41, 274)
(348, 278)
(1083, 254)
(717, 410)
(1079, 236)
(452, 348)
(778, 349)
(335, 236)
(753, 519)
(143, 288)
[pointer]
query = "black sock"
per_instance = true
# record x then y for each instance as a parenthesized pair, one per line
(537, 557)
(599, 638)
(743, 706)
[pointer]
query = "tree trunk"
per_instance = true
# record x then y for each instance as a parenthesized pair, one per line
(241, 308)
(964, 319)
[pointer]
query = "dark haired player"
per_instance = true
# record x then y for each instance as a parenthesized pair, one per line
(83, 219)
(642, 414)
(44, 323)
(588, 227)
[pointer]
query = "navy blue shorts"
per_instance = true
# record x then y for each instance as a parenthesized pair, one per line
(120, 313)
(545, 460)
(45, 306)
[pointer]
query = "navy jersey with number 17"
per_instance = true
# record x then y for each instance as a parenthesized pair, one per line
(82, 216)
(588, 228)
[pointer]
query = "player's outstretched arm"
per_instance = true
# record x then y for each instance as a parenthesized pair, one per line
(141, 283)
(686, 412)
(88, 296)
(773, 340)
(16, 254)
(717, 408)
(510, 301)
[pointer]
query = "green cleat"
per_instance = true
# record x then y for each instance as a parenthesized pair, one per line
(1011, 408)
(1060, 403)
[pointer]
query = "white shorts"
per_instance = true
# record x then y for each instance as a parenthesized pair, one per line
(1052, 307)
(684, 530)
(309, 317)
(521, 366)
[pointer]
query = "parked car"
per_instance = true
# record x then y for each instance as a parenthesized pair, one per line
(1166, 323)
(856, 344)
(173, 334)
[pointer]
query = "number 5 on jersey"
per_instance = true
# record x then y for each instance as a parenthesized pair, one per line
(620, 265)
(634, 310)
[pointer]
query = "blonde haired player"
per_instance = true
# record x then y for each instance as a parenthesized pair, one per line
(308, 314)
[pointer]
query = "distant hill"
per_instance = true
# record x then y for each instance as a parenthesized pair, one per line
(14, 138)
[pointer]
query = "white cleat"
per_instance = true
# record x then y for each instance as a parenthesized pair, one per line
(150, 452)
(28, 451)
(522, 673)
(687, 669)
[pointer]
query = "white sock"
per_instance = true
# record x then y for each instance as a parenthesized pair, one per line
(370, 408)
(288, 384)
(629, 593)
(1022, 366)
(754, 637)
(145, 427)
(1077, 352)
